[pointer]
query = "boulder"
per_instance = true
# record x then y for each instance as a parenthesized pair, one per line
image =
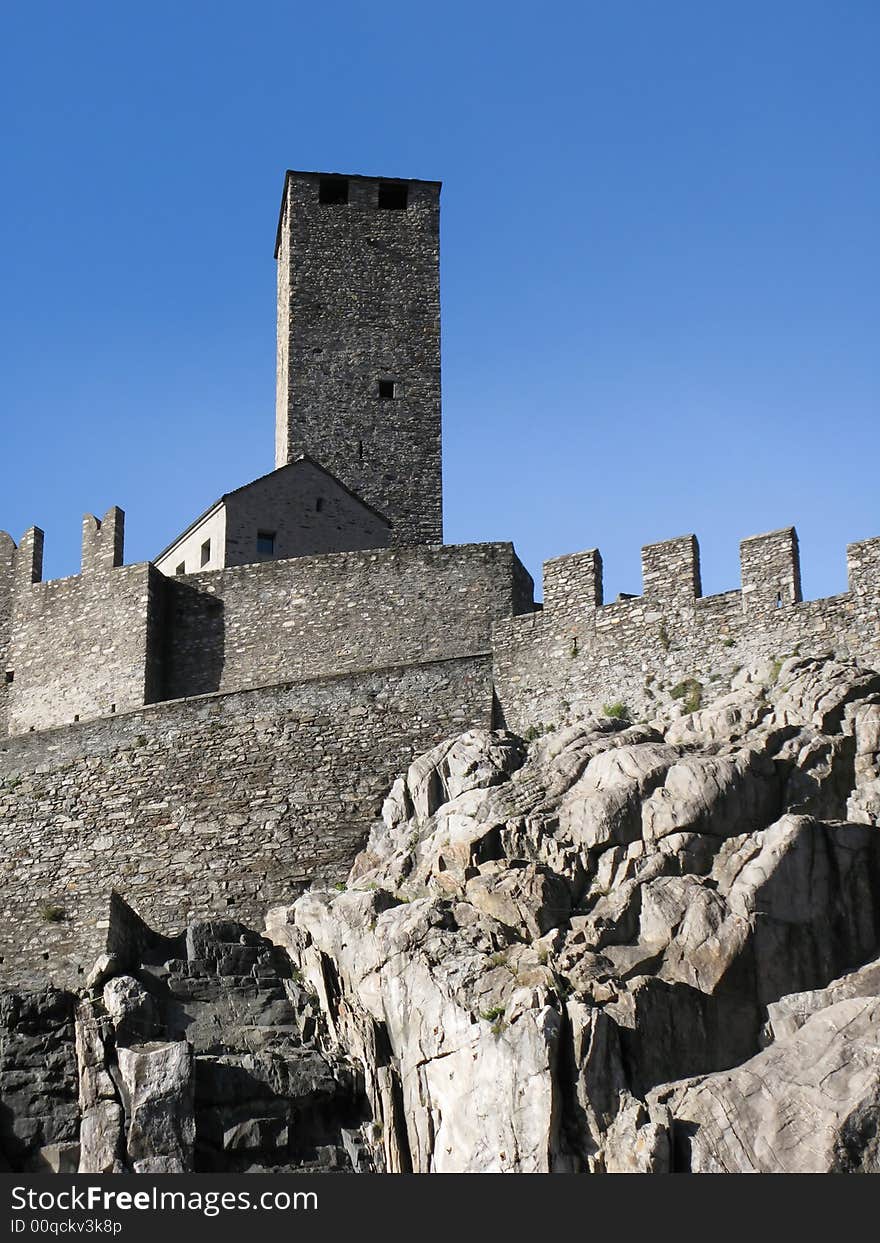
(157, 1087)
(540, 946)
(808, 1104)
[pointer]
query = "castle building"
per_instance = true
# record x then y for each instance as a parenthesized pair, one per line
(358, 374)
(332, 561)
(357, 411)
(298, 510)
(215, 729)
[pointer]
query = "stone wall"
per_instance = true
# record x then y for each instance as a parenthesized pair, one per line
(358, 310)
(278, 621)
(116, 637)
(7, 574)
(309, 512)
(225, 804)
(577, 654)
(83, 646)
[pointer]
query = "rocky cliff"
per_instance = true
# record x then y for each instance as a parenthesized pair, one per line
(622, 946)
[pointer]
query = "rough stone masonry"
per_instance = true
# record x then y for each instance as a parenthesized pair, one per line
(214, 741)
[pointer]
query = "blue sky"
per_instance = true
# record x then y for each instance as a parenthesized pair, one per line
(660, 267)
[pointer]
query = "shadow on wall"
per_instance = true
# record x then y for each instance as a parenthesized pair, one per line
(132, 943)
(195, 641)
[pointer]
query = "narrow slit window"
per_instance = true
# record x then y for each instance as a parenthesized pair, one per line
(319, 505)
(386, 390)
(206, 552)
(333, 191)
(10, 677)
(265, 543)
(393, 197)
(360, 450)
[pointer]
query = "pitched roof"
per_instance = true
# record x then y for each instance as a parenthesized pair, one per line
(297, 461)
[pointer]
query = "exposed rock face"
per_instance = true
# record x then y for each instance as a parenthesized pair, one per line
(810, 1102)
(39, 1119)
(201, 1055)
(633, 947)
(541, 949)
(156, 1081)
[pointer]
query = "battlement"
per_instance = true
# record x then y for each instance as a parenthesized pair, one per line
(114, 637)
(212, 736)
(573, 583)
(770, 572)
(578, 649)
(103, 541)
(78, 647)
(671, 570)
(863, 571)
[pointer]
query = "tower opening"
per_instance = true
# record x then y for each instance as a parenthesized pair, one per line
(393, 197)
(333, 191)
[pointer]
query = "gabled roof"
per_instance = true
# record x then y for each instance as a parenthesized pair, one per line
(297, 461)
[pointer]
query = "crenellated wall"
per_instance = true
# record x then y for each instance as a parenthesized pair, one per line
(83, 646)
(578, 654)
(115, 637)
(300, 688)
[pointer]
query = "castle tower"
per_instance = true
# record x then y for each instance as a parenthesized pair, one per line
(358, 365)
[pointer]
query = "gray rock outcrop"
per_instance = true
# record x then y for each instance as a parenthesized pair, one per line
(207, 1062)
(616, 948)
(623, 947)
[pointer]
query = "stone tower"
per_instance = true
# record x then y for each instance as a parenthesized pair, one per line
(358, 368)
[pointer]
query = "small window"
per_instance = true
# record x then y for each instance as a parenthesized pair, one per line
(181, 569)
(333, 190)
(393, 197)
(386, 390)
(319, 505)
(206, 552)
(10, 677)
(265, 543)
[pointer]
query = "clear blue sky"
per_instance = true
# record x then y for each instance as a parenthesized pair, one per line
(660, 265)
